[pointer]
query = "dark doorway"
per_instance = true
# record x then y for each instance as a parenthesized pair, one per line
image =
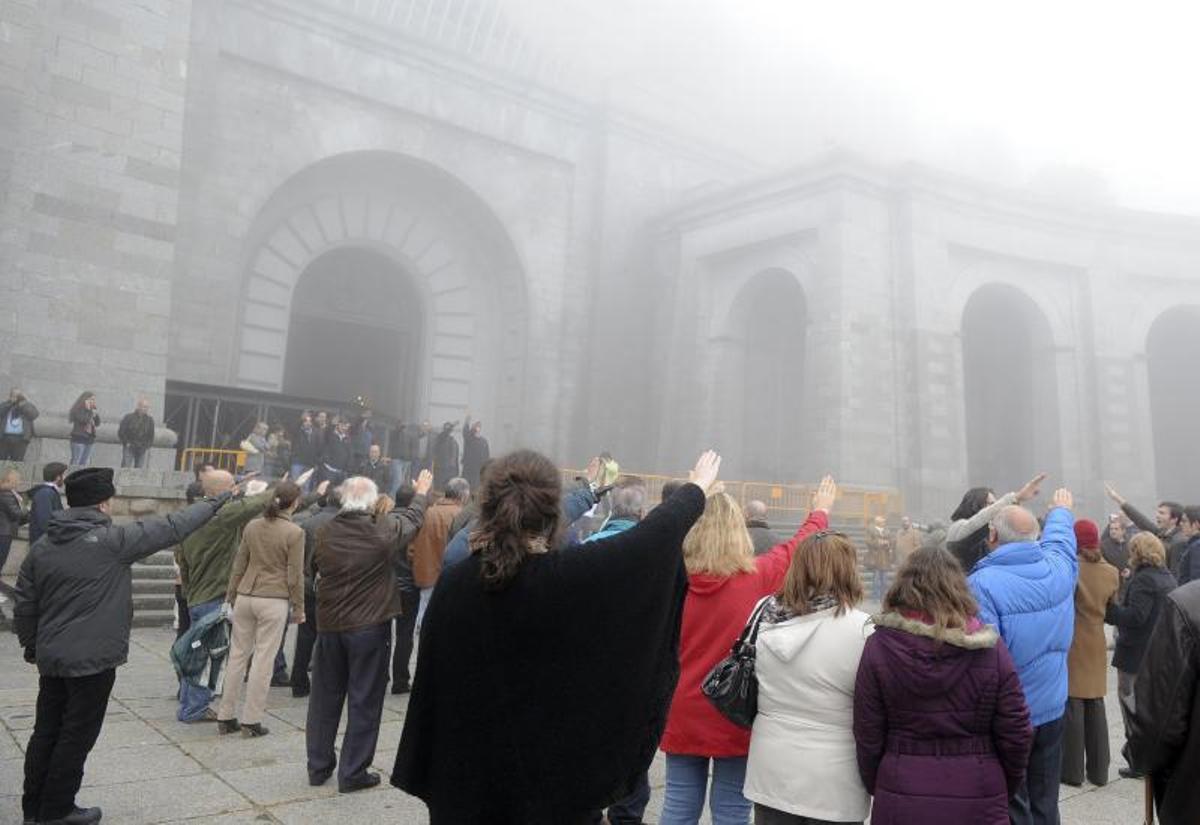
(767, 388)
(355, 330)
(1171, 348)
(1009, 379)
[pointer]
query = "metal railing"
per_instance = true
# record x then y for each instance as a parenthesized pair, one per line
(231, 460)
(789, 503)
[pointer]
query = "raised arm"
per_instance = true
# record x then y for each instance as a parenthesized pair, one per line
(773, 564)
(144, 538)
(1058, 536)
(962, 528)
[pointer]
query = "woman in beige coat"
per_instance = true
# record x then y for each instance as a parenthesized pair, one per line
(1087, 664)
(266, 588)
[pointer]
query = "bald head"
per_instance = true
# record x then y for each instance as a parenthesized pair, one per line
(215, 482)
(756, 510)
(1013, 524)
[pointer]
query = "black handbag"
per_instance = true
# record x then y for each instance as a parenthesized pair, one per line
(732, 686)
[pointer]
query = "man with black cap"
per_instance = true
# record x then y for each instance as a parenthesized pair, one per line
(72, 616)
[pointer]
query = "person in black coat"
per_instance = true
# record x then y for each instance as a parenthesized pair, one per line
(136, 434)
(1138, 611)
(445, 457)
(1164, 722)
(73, 615)
(16, 425)
(84, 422)
(12, 515)
(337, 454)
(534, 701)
(46, 499)
(378, 469)
(475, 451)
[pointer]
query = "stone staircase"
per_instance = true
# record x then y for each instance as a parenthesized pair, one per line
(154, 590)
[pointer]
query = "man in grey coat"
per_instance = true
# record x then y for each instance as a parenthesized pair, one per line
(73, 616)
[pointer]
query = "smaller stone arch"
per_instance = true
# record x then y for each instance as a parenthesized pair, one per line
(1010, 388)
(1171, 346)
(760, 388)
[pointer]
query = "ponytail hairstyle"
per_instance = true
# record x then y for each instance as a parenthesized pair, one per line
(286, 493)
(518, 515)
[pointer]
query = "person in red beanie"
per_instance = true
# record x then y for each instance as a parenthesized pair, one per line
(1086, 738)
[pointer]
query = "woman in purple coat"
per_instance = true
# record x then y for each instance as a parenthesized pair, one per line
(940, 721)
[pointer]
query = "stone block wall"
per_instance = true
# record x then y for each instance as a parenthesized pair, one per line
(91, 131)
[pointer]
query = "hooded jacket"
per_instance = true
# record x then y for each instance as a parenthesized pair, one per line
(941, 728)
(74, 593)
(1163, 723)
(714, 613)
(806, 666)
(1026, 590)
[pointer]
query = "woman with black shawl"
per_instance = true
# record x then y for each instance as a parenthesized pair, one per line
(543, 677)
(966, 538)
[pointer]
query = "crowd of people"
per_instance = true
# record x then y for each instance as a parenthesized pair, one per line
(565, 634)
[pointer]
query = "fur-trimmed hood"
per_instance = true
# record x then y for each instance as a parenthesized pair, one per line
(977, 635)
(931, 669)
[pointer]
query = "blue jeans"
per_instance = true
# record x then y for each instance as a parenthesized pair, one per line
(194, 700)
(134, 456)
(81, 454)
(1036, 801)
(878, 584)
(687, 781)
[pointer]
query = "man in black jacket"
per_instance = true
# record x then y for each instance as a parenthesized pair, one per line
(136, 433)
(475, 451)
(306, 446)
(1167, 525)
(1189, 562)
(1163, 722)
(16, 425)
(46, 499)
(73, 616)
(337, 455)
(445, 457)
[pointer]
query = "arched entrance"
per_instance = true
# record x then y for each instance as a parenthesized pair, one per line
(355, 300)
(763, 379)
(1011, 393)
(377, 274)
(1171, 348)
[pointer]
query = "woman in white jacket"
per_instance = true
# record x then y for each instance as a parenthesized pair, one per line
(802, 766)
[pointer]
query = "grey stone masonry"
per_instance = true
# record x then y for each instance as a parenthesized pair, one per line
(92, 100)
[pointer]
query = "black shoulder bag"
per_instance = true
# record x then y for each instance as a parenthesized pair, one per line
(732, 686)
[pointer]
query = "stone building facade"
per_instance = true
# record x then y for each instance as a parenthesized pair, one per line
(411, 200)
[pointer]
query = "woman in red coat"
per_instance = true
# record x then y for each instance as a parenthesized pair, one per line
(725, 582)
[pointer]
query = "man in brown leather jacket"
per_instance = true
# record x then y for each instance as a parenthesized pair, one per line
(1163, 718)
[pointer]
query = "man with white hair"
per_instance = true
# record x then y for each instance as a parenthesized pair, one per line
(1026, 589)
(761, 535)
(357, 598)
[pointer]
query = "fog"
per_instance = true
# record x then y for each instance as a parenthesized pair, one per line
(1091, 98)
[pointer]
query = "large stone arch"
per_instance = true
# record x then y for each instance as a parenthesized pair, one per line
(1171, 345)
(446, 240)
(1010, 389)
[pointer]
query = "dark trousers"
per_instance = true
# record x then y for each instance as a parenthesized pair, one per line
(1036, 802)
(769, 816)
(12, 448)
(5, 547)
(70, 712)
(279, 671)
(306, 637)
(1085, 740)
(406, 624)
(631, 809)
(350, 668)
(183, 618)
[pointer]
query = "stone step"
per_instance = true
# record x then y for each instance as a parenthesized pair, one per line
(152, 602)
(161, 558)
(153, 571)
(153, 618)
(156, 586)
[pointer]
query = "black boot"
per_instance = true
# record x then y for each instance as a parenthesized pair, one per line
(250, 731)
(79, 816)
(228, 726)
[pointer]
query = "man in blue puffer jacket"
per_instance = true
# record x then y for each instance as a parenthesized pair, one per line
(1026, 588)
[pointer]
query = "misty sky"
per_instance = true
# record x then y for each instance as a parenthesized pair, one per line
(1100, 94)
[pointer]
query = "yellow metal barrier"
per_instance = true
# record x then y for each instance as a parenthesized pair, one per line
(231, 460)
(789, 503)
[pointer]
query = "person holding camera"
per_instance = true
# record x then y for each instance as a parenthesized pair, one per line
(16, 418)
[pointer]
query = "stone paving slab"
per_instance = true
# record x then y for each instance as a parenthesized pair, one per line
(148, 768)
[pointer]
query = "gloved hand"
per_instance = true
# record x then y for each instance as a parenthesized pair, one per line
(31, 655)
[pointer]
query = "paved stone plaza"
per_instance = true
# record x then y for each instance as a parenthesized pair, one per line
(148, 768)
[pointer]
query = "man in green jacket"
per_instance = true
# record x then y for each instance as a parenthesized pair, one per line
(205, 560)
